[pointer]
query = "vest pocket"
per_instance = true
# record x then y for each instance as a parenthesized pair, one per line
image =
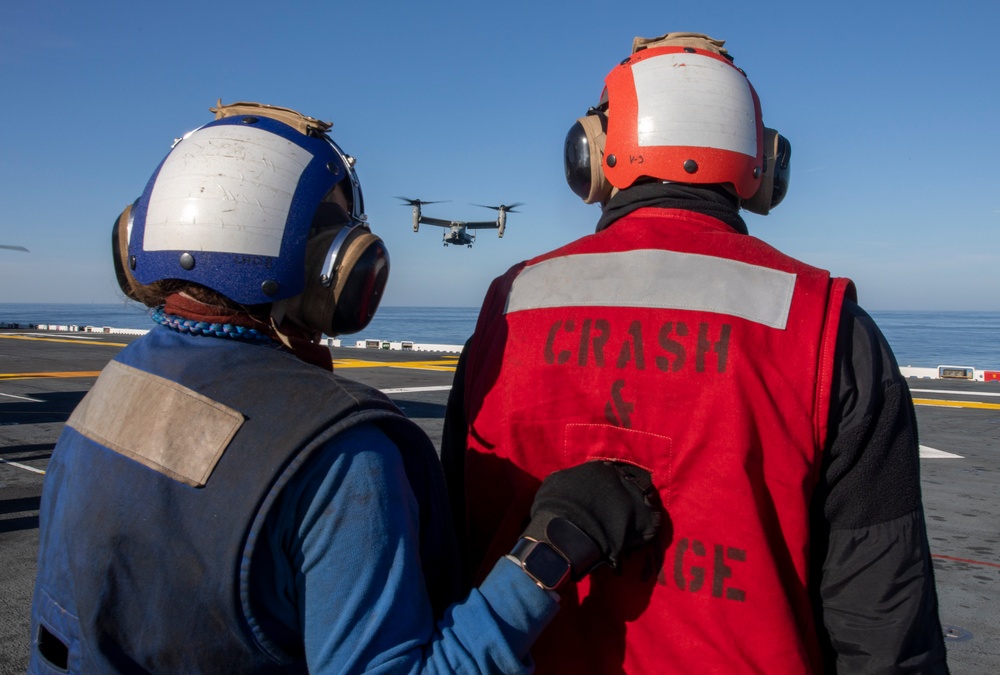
(52, 649)
(593, 442)
(55, 637)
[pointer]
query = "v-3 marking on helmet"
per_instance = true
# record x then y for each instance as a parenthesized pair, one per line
(680, 113)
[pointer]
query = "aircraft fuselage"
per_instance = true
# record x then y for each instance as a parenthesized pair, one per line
(458, 235)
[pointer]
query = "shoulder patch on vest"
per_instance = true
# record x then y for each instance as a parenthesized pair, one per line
(156, 422)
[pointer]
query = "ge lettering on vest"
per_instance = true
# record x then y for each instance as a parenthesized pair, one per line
(692, 568)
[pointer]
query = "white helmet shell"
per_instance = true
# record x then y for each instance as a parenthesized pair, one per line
(231, 207)
(686, 115)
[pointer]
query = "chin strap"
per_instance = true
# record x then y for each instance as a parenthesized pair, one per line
(302, 343)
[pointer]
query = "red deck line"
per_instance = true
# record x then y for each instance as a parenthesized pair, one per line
(964, 560)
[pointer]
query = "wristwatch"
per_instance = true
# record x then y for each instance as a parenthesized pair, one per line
(546, 566)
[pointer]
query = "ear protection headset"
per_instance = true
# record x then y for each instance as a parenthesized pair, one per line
(347, 268)
(678, 110)
(776, 174)
(119, 254)
(584, 154)
(262, 212)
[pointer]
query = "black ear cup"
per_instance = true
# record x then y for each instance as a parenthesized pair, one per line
(345, 301)
(782, 169)
(583, 154)
(119, 254)
(777, 172)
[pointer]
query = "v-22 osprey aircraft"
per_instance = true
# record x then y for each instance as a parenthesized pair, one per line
(457, 231)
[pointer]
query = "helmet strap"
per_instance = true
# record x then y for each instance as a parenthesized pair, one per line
(309, 126)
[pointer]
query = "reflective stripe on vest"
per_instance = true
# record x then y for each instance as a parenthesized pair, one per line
(657, 280)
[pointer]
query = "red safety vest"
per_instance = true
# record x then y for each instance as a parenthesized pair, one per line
(703, 355)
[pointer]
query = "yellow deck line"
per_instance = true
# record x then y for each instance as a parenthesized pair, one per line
(70, 341)
(956, 404)
(440, 366)
(53, 375)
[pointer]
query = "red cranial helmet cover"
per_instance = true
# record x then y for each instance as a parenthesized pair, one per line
(685, 115)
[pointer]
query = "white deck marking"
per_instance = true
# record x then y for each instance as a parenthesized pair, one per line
(934, 453)
(21, 466)
(407, 390)
(23, 398)
(957, 392)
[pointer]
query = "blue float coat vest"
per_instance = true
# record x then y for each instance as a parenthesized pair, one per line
(139, 570)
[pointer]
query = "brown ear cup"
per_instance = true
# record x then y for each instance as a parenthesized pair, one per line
(119, 253)
(584, 154)
(348, 304)
(600, 188)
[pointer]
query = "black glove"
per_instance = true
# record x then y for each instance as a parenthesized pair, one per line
(592, 512)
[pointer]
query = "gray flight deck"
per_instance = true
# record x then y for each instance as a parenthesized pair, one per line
(43, 375)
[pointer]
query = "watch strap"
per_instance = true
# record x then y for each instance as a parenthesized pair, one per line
(541, 561)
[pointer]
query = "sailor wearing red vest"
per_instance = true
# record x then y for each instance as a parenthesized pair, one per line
(765, 402)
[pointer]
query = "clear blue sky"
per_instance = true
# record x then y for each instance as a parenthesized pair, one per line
(891, 108)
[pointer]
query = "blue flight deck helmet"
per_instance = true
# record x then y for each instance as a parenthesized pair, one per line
(240, 206)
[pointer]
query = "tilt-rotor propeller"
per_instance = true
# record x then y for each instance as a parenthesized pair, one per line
(508, 208)
(416, 202)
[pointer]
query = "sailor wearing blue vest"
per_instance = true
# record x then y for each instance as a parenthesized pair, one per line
(220, 501)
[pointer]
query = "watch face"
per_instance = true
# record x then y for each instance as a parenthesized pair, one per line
(545, 565)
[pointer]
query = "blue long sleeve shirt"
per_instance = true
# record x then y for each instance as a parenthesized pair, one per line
(341, 576)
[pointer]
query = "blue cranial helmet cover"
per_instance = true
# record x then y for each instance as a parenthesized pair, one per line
(231, 206)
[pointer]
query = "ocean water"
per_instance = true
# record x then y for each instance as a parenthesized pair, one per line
(119, 315)
(942, 338)
(917, 338)
(434, 325)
